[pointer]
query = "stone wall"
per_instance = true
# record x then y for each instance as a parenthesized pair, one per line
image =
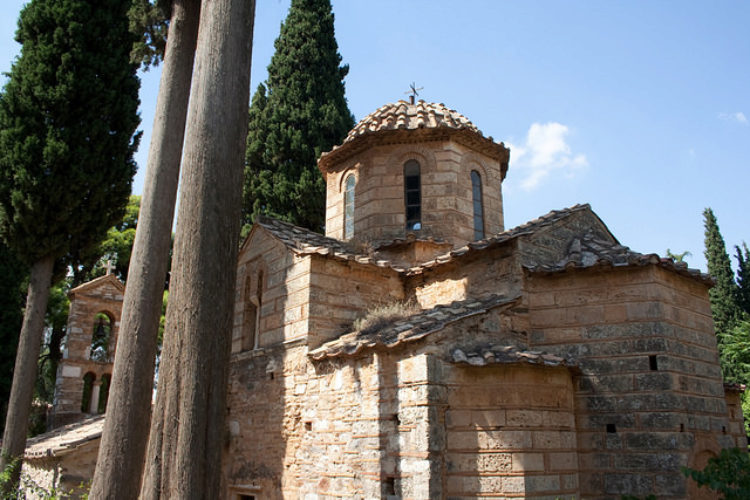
(284, 311)
(498, 271)
(342, 428)
(447, 210)
(342, 291)
(650, 396)
(510, 432)
(68, 475)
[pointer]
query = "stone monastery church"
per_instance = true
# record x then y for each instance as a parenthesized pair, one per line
(542, 361)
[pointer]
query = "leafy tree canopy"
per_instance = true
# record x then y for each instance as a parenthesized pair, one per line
(67, 121)
(300, 112)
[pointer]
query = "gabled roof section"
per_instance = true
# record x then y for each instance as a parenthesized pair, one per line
(410, 329)
(302, 241)
(527, 229)
(64, 440)
(89, 286)
(591, 252)
(404, 122)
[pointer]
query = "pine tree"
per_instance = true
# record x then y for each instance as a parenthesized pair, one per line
(743, 277)
(724, 294)
(299, 113)
(67, 121)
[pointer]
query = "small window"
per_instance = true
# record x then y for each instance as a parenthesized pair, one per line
(412, 196)
(476, 192)
(251, 315)
(100, 338)
(349, 207)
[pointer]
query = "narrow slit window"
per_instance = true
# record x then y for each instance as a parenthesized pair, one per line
(412, 196)
(251, 317)
(476, 194)
(349, 207)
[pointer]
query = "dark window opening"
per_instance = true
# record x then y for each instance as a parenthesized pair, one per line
(682, 427)
(390, 486)
(251, 316)
(88, 387)
(653, 364)
(412, 196)
(349, 207)
(104, 393)
(245, 497)
(476, 195)
(611, 428)
(100, 338)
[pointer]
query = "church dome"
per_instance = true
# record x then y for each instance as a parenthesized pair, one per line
(403, 122)
(404, 116)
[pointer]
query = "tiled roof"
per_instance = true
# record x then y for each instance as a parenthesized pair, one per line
(402, 121)
(410, 329)
(404, 116)
(528, 228)
(305, 242)
(585, 252)
(590, 252)
(61, 441)
(493, 355)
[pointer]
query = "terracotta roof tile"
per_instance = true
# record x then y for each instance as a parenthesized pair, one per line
(65, 439)
(410, 329)
(493, 355)
(407, 122)
(589, 252)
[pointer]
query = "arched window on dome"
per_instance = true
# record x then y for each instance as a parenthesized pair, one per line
(349, 207)
(412, 196)
(476, 194)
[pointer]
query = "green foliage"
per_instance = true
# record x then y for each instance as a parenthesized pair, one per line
(678, 257)
(149, 23)
(743, 277)
(300, 112)
(12, 298)
(723, 295)
(117, 247)
(735, 352)
(728, 474)
(28, 488)
(67, 121)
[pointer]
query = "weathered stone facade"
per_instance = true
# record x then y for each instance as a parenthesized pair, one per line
(543, 361)
(88, 355)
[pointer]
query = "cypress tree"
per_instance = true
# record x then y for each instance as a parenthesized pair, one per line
(13, 274)
(743, 277)
(723, 296)
(67, 121)
(299, 113)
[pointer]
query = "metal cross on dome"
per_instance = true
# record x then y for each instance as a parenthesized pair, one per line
(414, 91)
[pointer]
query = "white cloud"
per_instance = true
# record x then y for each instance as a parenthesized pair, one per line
(737, 116)
(545, 151)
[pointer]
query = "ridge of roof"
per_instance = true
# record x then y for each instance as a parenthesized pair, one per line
(98, 281)
(64, 439)
(527, 228)
(505, 354)
(306, 242)
(589, 252)
(410, 329)
(429, 117)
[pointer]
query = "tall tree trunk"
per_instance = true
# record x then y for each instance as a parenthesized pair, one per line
(187, 429)
(125, 435)
(25, 371)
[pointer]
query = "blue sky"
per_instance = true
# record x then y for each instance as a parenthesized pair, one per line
(640, 108)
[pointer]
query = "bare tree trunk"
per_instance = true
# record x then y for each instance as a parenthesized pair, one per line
(125, 435)
(187, 429)
(25, 370)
